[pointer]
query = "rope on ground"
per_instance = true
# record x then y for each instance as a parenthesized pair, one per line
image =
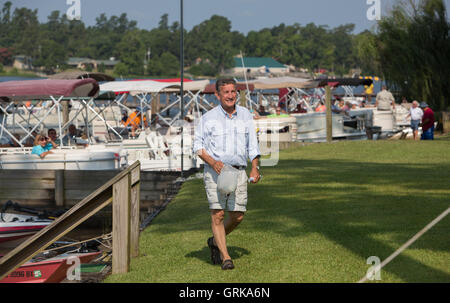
(404, 246)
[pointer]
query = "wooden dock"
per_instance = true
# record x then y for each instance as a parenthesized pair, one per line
(62, 189)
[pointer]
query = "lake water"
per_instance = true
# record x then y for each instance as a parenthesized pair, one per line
(13, 78)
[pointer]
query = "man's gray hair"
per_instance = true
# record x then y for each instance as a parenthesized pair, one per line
(222, 82)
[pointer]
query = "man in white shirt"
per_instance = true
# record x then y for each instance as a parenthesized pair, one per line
(384, 99)
(416, 114)
(226, 135)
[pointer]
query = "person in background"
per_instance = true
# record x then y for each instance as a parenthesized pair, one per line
(15, 143)
(53, 136)
(262, 111)
(134, 120)
(427, 122)
(255, 114)
(124, 119)
(11, 142)
(405, 104)
(321, 108)
(384, 99)
(42, 146)
(29, 142)
(416, 113)
(279, 113)
(70, 137)
(335, 107)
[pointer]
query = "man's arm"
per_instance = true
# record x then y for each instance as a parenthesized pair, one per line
(253, 152)
(216, 165)
(255, 171)
(392, 100)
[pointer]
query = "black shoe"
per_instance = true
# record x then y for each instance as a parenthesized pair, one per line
(227, 264)
(215, 252)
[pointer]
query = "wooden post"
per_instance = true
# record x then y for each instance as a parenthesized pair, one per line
(446, 122)
(243, 100)
(121, 226)
(59, 187)
(328, 114)
(65, 113)
(135, 209)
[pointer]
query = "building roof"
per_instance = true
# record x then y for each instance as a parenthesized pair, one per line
(252, 62)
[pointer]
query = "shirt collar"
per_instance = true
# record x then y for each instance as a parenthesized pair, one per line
(226, 114)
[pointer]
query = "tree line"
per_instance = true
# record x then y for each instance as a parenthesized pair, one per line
(209, 46)
(410, 47)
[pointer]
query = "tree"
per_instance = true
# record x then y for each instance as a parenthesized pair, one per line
(131, 52)
(6, 57)
(52, 55)
(366, 53)
(121, 69)
(170, 63)
(344, 49)
(25, 29)
(164, 22)
(211, 40)
(414, 50)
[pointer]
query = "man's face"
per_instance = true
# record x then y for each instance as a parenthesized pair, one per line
(52, 135)
(227, 96)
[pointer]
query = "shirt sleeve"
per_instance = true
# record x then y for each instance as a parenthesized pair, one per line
(199, 138)
(37, 150)
(253, 146)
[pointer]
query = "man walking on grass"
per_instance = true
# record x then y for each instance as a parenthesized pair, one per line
(226, 136)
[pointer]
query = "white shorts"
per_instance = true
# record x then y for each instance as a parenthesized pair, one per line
(236, 201)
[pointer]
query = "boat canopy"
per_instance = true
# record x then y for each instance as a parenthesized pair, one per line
(284, 82)
(211, 88)
(43, 89)
(151, 86)
(78, 74)
(291, 82)
(345, 82)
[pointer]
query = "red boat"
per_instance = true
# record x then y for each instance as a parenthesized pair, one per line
(15, 228)
(52, 270)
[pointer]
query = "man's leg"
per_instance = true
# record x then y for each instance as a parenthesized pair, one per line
(229, 224)
(218, 230)
(233, 220)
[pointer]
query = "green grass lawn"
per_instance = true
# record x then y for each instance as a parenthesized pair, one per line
(317, 216)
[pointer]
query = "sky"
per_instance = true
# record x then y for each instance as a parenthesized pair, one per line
(245, 15)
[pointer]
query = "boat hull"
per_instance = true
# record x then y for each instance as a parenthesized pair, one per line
(53, 270)
(72, 159)
(312, 127)
(13, 233)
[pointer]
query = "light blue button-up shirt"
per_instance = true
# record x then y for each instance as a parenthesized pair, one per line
(229, 140)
